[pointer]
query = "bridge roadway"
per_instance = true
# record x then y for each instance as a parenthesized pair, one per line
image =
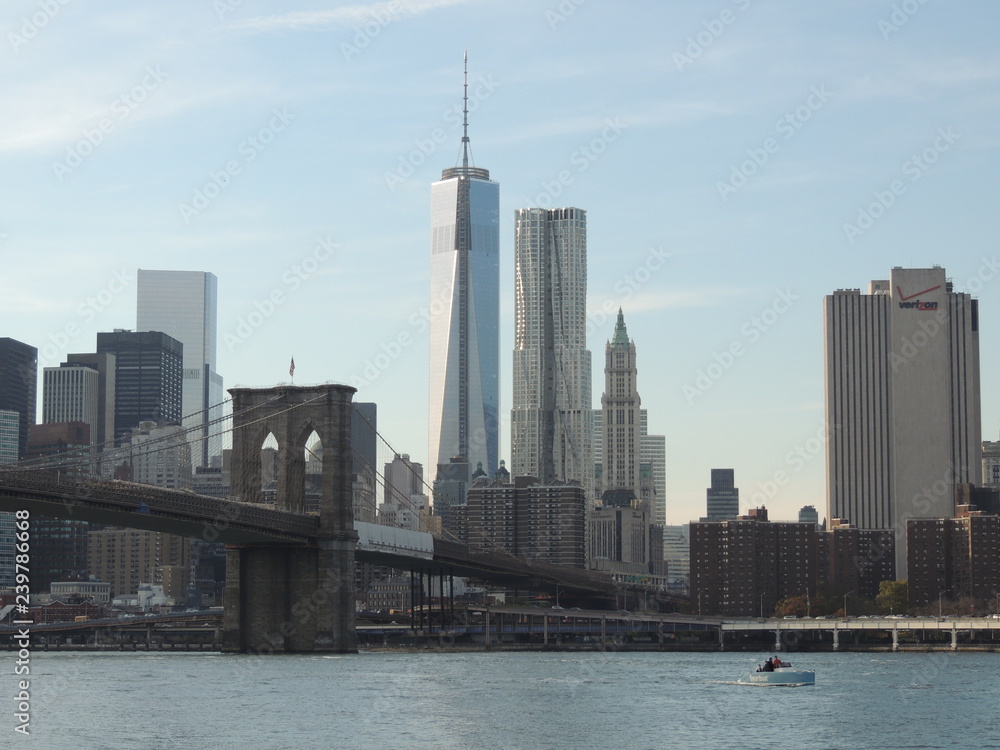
(141, 506)
(785, 629)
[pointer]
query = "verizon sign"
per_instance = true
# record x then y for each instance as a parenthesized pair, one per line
(908, 301)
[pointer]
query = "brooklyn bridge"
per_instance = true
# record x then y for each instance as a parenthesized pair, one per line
(290, 574)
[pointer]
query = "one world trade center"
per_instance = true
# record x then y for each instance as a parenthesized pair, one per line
(464, 317)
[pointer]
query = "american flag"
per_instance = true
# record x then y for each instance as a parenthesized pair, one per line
(291, 369)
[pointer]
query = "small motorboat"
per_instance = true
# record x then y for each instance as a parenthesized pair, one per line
(783, 676)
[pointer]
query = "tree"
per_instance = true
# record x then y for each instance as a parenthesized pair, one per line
(892, 598)
(792, 605)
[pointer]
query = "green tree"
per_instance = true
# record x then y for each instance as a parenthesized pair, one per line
(892, 598)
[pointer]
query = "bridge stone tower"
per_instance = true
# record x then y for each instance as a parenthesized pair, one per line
(284, 599)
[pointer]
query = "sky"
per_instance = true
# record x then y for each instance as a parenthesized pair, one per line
(737, 159)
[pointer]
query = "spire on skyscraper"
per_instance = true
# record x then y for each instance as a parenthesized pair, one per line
(465, 112)
(621, 335)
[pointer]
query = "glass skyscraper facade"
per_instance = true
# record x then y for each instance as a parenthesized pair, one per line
(10, 425)
(183, 305)
(464, 378)
(551, 426)
(18, 383)
(148, 367)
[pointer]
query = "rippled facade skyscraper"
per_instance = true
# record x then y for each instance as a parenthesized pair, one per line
(551, 429)
(465, 316)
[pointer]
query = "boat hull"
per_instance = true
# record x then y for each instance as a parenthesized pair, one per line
(781, 677)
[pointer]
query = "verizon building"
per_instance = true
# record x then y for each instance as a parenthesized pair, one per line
(902, 401)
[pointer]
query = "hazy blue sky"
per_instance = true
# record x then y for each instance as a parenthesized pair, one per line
(738, 160)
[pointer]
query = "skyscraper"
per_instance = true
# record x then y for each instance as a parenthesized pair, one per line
(148, 370)
(103, 432)
(18, 383)
(723, 497)
(70, 394)
(902, 401)
(464, 315)
(653, 451)
(9, 428)
(551, 430)
(182, 304)
(621, 418)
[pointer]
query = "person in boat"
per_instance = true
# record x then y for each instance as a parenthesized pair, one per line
(768, 665)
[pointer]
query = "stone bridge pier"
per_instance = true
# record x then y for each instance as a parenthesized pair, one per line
(293, 598)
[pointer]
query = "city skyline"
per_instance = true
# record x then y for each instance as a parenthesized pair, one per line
(729, 188)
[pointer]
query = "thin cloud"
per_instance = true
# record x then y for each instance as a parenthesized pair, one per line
(348, 16)
(671, 299)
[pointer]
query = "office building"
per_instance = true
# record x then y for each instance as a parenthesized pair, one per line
(652, 461)
(903, 401)
(59, 546)
(126, 558)
(70, 394)
(723, 497)
(677, 555)
(18, 383)
(991, 464)
(364, 438)
(622, 539)
(10, 422)
(653, 453)
(404, 503)
(67, 444)
(148, 378)
(102, 432)
(183, 305)
(551, 430)
(809, 514)
(621, 419)
(464, 379)
(10, 427)
(402, 479)
(158, 455)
